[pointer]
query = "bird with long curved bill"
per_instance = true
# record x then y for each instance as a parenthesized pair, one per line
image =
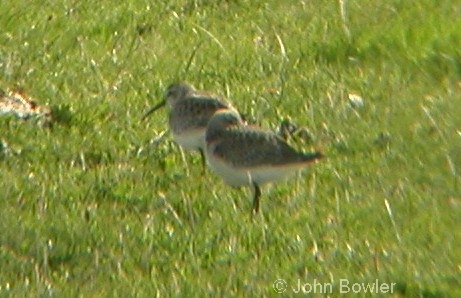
(190, 111)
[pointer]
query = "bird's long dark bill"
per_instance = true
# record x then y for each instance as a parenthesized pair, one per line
(155, 108)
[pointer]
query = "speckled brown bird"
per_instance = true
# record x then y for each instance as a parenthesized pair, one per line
(246, 155)
(190, 111)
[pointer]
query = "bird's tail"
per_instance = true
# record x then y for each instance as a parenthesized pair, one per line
(313, 156)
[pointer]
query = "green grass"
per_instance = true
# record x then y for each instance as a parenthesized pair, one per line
(89, 207)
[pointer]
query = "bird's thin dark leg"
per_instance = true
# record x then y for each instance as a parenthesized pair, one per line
(256, 198)
(202, 155)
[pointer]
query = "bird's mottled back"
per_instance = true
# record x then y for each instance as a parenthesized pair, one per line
(192, 110)
(243, 146)
(251, 148)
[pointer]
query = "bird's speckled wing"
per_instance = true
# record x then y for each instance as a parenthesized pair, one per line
(252, 148)
(195, 112)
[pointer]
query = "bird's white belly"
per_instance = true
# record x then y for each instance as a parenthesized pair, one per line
(191, 139)
(235, 176)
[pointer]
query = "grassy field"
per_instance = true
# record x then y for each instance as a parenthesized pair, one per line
(99, 205)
